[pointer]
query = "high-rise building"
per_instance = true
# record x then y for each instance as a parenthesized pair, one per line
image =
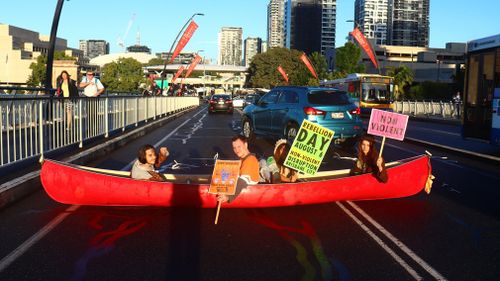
(310, 25)
(371, 15)
(94, 48)
(276, 23)
(408, 23)
(253, 46)
(263, 47)
(230, 41)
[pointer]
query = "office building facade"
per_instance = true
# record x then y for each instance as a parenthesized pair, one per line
(253, 46)
(230, 46)
(310, 25)
(276, 23)
(408, 23)
(21, 47)
(94, 48)
(371, 15)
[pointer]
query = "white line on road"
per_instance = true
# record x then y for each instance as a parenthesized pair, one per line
(129, 165)
(24, 247)
(483, 174)
(399, 244)
(379, 241)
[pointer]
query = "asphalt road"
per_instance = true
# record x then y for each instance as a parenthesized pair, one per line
(451, 234)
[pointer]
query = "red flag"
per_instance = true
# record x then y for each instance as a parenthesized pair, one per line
(177, 74)
(306, 61)
(356, 33)
(193, 64)
(188, 33)
(283, 73)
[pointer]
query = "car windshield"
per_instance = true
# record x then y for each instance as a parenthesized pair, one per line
(251, 97)
(225, 97)
(326, 97)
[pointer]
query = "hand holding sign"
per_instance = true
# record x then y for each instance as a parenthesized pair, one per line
(309, 148)
(387, 124)
(224, 179)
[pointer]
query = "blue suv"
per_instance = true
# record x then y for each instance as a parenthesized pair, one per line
(280, 113)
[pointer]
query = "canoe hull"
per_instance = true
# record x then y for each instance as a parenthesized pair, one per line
(69, 184)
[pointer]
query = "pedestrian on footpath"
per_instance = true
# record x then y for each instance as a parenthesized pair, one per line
(456, 101)
(66, 88)
(92, 85)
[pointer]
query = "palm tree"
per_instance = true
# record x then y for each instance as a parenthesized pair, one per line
(403, 77)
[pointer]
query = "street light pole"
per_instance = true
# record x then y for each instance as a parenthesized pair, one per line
(163, 74)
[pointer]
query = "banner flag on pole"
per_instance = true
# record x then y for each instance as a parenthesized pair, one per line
(188, 33)
(193, 64)
(177, 74)
(283, 73)
(365, 45)
(306, 61)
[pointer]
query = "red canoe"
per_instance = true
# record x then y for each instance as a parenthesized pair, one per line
(73, 184)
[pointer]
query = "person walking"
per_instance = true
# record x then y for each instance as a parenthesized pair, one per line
(457, 102)
(66, 88)
(92, 86)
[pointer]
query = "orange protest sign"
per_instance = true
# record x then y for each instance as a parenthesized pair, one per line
(225, 177)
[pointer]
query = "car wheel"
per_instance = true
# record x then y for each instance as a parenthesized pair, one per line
(291, 132)
(247, 129)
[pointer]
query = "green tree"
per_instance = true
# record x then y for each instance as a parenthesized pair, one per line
(348, 60)
(263, 70)
(403, 78)
(38, 68)
(124, 75)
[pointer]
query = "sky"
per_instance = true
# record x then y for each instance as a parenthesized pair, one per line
(159, 21)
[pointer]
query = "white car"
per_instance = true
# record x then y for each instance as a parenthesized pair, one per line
(238, 102)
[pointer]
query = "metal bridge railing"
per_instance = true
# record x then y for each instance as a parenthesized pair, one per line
(33, 125)
(443, 109)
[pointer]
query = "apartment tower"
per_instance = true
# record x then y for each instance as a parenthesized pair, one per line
(408, 23)
(276, 23)
(230, 42)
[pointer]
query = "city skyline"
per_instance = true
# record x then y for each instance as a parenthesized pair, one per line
(444, 18)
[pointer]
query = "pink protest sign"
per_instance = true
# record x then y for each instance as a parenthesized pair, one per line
(387, 124)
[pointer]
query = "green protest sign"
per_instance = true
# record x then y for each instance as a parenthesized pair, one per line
(309, 148)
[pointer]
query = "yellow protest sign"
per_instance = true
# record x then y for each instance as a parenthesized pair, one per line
(224, 177)
(309, 148)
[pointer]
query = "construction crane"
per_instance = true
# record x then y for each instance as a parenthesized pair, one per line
(121, 40)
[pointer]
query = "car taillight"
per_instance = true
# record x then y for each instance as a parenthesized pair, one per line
(229, 101)
(356, 111)
(212, 101)
(313, 111)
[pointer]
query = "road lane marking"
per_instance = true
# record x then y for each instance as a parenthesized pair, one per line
(23, 248)
(129, 165)
(429, 269)
(381, 243)
(447, 162)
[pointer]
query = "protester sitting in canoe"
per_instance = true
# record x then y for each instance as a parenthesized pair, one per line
(249, 168)
(272, 170)
(147, 161)
(369, 161)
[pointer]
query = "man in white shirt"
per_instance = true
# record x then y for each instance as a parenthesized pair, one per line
(92, 86)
